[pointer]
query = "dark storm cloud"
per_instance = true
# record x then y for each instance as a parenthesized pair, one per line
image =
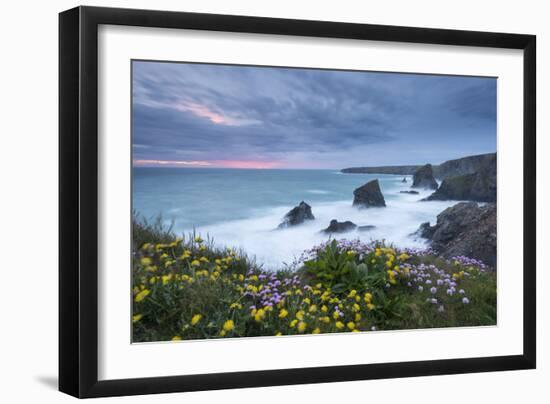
(304, 118)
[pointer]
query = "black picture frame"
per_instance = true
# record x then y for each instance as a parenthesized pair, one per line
(78, 200)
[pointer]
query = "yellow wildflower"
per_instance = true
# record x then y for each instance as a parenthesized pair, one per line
(301, 326)
(228, 325)
(313, 308)
(196, 318)
(176, 338)
(316, 331)
(339, 325)
(142, 295)
(278, 333)
(293, 323)
(198, 239)
(351, 325)
(283, 313)
(370, 306)
(145, 261)
(325, 319)
(195, 263)
(352, 293)
(300, 315)
(136, 318)
(166, 279)
(307, 300)
(357, 317)
(324, 308)
(368, 297)
(236, 306)
(259, 315)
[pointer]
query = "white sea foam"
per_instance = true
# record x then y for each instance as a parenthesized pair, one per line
(272, 248)
(318, 191)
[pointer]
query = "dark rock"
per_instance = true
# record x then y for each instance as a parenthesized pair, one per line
(424, 178)
(369, 195)
(366, 228)
(297, 215)
(465, 229)
(425, 230)
(480, 186)
(409, 192)
(404, 179)
(339, 227)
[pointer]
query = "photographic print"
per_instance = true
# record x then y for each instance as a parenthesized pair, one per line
(276, 201)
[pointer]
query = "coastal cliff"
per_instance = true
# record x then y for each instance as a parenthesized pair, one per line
(461, 166)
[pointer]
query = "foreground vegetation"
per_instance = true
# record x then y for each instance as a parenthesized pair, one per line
(191, 289)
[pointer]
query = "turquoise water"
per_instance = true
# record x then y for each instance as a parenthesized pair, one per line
(241, 208)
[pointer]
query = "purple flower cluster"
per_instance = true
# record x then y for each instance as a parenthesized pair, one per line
(469, 262)
(424, 276)
(271, 292)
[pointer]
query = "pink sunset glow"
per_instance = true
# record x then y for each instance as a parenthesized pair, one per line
(246, 164)
(203, 112)
(170, 163)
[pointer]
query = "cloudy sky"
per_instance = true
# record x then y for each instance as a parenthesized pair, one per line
(197, 115)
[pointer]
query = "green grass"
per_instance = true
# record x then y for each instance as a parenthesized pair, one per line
(191, 289)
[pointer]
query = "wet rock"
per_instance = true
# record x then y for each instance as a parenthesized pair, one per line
(424, 178)
(369, 195)
(409, 192)
(339, 227)
(465, 229)
(297, 215)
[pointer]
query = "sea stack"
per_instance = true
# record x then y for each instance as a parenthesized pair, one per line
(297, 215)
(424, 178)
(369, 195)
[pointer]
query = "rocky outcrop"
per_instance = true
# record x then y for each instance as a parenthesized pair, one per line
(339, 227)
(465, 229)
(404, 179)
(424, 178)
(466, 165)
(461, 166)
(480, 186)
(409, 192)
(297, 215)
(369, 195)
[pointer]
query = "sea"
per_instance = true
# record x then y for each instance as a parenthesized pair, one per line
(241, 208)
